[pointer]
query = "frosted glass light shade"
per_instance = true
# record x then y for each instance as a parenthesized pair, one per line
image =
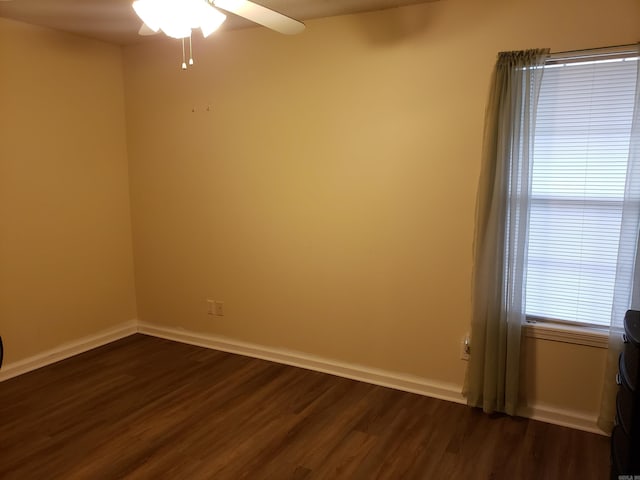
(176, 18)
(148, 13)
(210, 19)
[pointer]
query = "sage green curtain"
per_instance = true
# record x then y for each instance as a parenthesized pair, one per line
(500, 243)
(626, 290)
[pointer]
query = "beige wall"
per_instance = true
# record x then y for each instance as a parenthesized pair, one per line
(65, 237)
(561, 376)
(328, 195)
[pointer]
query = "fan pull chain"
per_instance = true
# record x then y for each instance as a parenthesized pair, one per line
(190, 51)
(184, 64)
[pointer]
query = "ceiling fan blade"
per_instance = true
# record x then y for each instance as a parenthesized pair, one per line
(145, 30)
(262, 15)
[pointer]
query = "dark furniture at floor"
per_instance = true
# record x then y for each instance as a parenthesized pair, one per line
(625, 438)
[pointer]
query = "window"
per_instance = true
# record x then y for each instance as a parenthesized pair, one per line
(581, 149)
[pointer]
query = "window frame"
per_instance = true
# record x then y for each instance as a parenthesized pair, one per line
(567, 331)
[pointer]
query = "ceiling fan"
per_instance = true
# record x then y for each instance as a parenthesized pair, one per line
(177, 18)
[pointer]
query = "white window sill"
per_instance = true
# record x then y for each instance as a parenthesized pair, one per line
(591, 337)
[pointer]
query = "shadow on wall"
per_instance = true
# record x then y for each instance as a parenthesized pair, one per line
(395, 25)
(528, 373)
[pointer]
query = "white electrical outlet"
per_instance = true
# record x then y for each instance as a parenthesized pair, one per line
(218, 308)
(465, 348)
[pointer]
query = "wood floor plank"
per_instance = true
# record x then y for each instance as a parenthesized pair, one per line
(144, 407)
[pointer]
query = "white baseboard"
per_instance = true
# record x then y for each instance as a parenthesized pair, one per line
(565, 418)
(399, 381)
(67, 350)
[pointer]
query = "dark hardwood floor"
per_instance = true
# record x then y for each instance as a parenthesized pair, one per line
(148, 408)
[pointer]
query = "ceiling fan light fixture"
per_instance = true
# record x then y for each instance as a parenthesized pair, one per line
(149, 13)
(176, 30)
(176, 18)
(210, 20)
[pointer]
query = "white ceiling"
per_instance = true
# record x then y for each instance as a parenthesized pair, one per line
(115, 21)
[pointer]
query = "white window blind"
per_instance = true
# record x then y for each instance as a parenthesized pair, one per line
(581, 149)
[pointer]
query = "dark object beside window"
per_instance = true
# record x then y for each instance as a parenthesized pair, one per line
(625, 439)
